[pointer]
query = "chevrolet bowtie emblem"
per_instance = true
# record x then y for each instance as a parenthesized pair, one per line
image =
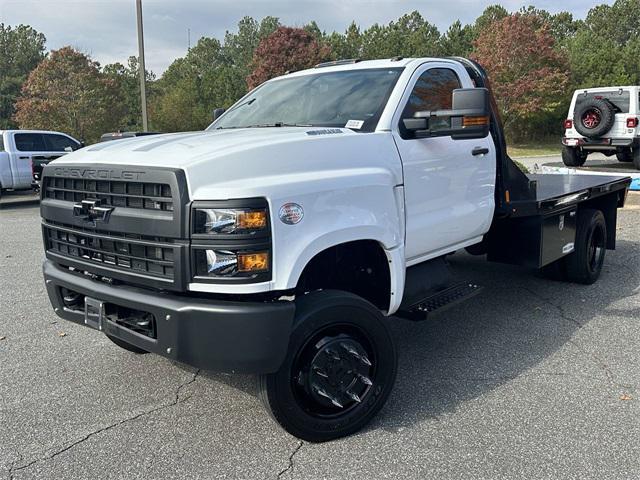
(91, 211)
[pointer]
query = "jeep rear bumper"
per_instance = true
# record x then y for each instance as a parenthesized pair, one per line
(601, 143)
(225, 336)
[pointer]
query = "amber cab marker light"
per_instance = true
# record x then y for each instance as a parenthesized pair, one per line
(475, 121)
(253, 262)
(252, 220)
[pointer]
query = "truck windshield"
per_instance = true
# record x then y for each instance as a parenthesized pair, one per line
(348, 98)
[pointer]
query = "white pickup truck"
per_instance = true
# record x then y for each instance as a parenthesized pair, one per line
(23, 153)
(285, 238)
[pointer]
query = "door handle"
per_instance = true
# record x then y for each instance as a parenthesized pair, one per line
(479, 151)
(24, 158)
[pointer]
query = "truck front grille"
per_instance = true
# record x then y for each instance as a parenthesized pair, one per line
(152, 257)
(113, 193)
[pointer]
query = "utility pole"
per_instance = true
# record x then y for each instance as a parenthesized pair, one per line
(143, 91)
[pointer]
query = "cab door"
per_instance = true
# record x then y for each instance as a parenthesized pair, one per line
(449, 184)
(27, 144)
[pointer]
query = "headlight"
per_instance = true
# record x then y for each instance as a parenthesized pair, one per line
(229, 221)
(227, 263)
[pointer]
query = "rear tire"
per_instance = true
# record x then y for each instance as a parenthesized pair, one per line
(127, 346)
(624, 155)
(573, 157)
(585, 263)
(339, 370)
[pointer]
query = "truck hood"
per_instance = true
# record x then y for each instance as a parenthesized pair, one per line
(237, 163)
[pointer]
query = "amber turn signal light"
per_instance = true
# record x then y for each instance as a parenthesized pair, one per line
(251, 220)
(253, 262)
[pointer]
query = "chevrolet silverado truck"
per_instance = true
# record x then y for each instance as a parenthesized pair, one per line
(286, 238)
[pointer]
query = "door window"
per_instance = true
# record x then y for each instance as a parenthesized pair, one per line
(433, 91)
(58, 143)
(30, 142)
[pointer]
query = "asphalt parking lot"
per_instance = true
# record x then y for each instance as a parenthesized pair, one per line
(529, 379)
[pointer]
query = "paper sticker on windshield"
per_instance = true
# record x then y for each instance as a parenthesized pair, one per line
(357, 124)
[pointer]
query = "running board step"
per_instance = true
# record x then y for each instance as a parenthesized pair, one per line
(441, 300)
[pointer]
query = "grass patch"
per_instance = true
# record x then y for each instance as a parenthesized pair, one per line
(519, 150)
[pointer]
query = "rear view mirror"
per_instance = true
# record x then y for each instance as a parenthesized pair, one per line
(469, 117)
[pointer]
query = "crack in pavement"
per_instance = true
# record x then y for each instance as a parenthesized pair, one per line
(600, 362)
(289, 468)
(175, 401)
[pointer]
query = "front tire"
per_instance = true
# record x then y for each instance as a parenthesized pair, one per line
(573, 157)
(339, 370)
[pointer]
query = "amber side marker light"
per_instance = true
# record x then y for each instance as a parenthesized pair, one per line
(251, 220)
(475, 121)
(253, 262)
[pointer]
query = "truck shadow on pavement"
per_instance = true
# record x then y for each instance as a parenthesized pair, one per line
(515, 327)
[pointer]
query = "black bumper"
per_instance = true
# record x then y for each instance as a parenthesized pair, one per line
(224, 336)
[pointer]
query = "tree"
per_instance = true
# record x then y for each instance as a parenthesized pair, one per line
(458, 40)
(127, 79)
(529, 76)
(285, 49)
(67, 92)
(21, 50)
(604, 51)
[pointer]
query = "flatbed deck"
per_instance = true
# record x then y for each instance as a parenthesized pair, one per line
(553, 191)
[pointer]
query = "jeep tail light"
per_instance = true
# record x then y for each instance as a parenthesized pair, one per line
(632, 122)
(568, 124)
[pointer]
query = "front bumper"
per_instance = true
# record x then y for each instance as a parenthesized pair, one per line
(225, 336)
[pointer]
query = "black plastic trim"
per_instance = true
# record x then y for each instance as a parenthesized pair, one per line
(234, 337)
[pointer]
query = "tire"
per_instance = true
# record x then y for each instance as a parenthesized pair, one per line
(624, 155)
(127, 346)
(636, 158)
(594, 117)
(585, 263)
(478, 249)
(339, 370)
(573, 157)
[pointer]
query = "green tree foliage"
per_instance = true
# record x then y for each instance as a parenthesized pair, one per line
(21, 50)
(68, 92)
(127, 79)
(211, 75)
(605, 50)
(286, 49)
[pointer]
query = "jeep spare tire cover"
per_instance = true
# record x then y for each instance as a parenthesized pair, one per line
(594, 117)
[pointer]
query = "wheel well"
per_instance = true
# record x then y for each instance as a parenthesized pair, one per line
(359, 267)
(608, 204)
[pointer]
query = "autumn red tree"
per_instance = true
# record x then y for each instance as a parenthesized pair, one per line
(529, 76)
(285, 49)
(68, 92)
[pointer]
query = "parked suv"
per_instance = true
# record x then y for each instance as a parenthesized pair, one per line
(603, 120)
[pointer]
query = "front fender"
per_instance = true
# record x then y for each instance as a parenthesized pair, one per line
(361, 212)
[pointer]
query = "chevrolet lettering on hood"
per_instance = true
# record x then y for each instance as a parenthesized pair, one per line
(97, 173)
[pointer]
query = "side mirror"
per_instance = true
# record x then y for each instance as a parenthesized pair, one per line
(217, 112)
(68, 149)
(469, 117)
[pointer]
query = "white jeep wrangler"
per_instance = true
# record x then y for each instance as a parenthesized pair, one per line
(603, 120)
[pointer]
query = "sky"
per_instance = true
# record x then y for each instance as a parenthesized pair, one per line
(106, 29)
